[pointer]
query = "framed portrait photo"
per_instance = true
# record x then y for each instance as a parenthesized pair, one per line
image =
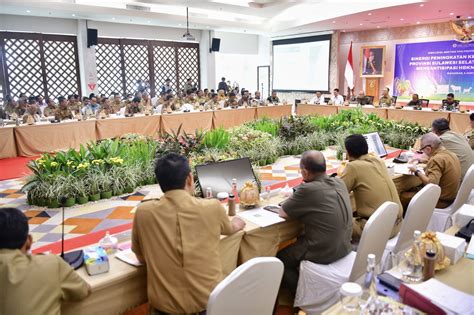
(372, 61)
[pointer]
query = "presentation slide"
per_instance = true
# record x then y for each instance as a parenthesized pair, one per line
(434, 69)
(303, 65)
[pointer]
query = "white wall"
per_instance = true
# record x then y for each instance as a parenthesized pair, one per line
(237, 59)
(21, 23)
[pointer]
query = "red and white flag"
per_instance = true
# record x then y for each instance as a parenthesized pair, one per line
(349, 71)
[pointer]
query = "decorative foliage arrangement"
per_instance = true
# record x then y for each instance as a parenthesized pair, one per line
(112, 167)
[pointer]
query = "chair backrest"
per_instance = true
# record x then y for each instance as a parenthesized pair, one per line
(394, 100)
(250, 289)
(418, 215)
(374, 237)
(371, 99)
(424, 102)
(465, 190)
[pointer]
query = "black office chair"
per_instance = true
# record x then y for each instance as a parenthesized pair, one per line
(344, 97)
(327, 99)
(370, 99)
(394, 100)
(424, 102)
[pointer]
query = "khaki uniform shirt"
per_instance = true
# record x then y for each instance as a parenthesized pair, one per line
(368, 178)
(64, 113)
(324, 207)
(457, 144)
(385, 100)
(178, 237)
(49, 111)
(470, 137)
(443, 169)
(36, 284)
(131, 109)
(75, 106)
(211, 105)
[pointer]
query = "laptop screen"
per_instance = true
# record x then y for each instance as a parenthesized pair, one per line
(218, 176)
(375, 144)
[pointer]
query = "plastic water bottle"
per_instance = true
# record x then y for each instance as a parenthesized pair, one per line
(369, 296)
(413, 272)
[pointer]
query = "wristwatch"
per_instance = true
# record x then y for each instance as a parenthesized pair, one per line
(416, 172)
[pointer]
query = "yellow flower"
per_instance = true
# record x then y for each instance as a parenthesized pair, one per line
(97, 162)
(69, 163)
(54, 164)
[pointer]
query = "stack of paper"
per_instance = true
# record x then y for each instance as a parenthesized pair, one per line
(128, 257)
(445, 297)
(260, 217)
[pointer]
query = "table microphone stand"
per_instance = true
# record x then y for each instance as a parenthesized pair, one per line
(75, 258)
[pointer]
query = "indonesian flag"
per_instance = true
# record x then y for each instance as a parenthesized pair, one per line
(349, 71)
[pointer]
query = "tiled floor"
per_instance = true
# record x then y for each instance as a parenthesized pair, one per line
(80, 220)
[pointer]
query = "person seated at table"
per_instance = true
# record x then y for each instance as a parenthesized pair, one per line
(336, 98)
(232, 101)
(190, 97)
(273, 99)
(469, 133)
(318, 99)
(91, 108)
(188, 230)
(207, 94)
(245, 99)
(454, 142)
(63, 111)
(74, 105)
(415, 101)
(322, 203)
(386, 99)
(166, 88)
(20, 109)
(117, 103)
(32, 103)
(450, 103)
(146, 100)
(40, 102)
(31, 116)
(221, 95)
(50, 109)
(189, 86)
(9, 105)
(168, 105)
(213, 103)
(106, 108)
(135, 107)
(443, 169)
(32, 284)
(200, 97)
(362, 99)
(257, 96)
(367, 177)
(23, 97)
(351, 98)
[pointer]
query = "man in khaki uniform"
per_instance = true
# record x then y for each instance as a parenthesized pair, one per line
(386, 99)
(135, 107)
(368, 178)
(454, 142)
(117, 104)
(177, 237)
(32, 284)
(50, 109)
(443, 169)
(63, 111)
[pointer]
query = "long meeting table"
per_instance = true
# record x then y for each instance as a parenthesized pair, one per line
(30, 141)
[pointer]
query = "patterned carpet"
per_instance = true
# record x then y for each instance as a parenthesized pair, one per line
(86, 224)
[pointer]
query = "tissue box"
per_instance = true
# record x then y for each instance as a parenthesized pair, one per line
(453, 246)
(96, 260)
(464, 215)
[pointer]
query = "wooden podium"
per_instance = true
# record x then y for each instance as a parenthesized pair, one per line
(372, 88)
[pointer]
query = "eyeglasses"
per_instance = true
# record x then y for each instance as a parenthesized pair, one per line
(421, 150)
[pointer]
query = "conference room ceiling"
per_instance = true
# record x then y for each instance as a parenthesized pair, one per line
(277, 17)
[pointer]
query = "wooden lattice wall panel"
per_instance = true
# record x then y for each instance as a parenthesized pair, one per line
(60, 65)
(23, 65)
(136, 66)
(164, 61)
(188, 65)
(109, 68)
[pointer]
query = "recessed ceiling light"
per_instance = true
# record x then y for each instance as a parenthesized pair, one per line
(469, 17)
(370, 13)
(402, 19)
(149, 21)
(451, 13)
(207, 26)
(113, 18)
(418, 22)
(361, 24)
(28, 11)
(378, 26)
(179, 24)
(334, 21)
(422, 5)
(73, 15)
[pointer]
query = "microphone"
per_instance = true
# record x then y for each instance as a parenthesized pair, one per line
(75, 258)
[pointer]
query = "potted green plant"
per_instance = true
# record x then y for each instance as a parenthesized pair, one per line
(92, 178)
(105, 185)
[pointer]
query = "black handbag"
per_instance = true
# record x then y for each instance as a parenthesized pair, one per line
(466, 231)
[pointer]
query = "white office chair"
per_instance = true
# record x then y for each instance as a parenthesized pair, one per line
(318, 284)
(441, 219)
(250, 289)
(418, 215)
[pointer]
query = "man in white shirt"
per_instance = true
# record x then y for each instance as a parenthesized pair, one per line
(318, 99)
(337, 99)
